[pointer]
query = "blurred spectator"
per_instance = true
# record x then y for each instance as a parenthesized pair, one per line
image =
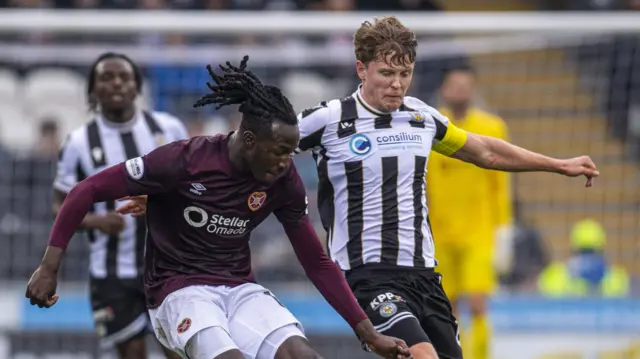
(78, 4)
(587, 271)
(48, 142)
(30, 3)
(369, 5)
(397, 5)
(152, 4)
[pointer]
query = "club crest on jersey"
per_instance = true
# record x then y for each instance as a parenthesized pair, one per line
(256, 200)
(184, 325)
(388, 310)
(97, 154)
(417, 116)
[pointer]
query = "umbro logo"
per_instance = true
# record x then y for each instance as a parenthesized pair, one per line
(197, 188)
(346, 124)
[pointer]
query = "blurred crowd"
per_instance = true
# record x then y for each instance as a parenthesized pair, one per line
(331, 5)
(306, 5)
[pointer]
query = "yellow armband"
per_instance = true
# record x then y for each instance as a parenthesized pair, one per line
(452, 141)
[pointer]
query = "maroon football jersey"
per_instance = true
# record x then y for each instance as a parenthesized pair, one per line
(200, 214)
(201, 211)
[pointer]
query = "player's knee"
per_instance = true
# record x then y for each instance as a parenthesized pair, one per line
(212, 343)
(423, 351)
(296, 347)
(132, 349)
(477, 304)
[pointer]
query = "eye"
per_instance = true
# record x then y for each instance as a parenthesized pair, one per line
(106, 76)
(283, 152)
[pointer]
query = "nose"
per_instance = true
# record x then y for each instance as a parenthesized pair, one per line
(116, 81)
(283, 164)
(395, 84)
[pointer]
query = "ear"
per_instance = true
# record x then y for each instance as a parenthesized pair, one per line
(248, 139)
(361, 70)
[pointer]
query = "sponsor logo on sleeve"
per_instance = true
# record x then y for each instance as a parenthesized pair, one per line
(135, 168)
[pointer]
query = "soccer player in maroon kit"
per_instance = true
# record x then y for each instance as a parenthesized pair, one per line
(205, 196)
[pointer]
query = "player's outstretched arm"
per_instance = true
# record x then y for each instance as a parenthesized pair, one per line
(493, 153)
(109, 184)
(156, 172)
(328, 279)
(325, 275)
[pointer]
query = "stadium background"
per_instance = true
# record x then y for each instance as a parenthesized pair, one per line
(562, 93)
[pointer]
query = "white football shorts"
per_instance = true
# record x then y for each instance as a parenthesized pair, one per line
(245, 318)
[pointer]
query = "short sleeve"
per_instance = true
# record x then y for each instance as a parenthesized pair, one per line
(160, 170)
(312, 123)
(449, 138)
(68, 166)
(296, 209)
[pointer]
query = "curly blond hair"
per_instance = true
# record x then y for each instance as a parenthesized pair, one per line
(385, 36)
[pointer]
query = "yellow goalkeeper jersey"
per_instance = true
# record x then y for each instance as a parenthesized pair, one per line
(466, 203)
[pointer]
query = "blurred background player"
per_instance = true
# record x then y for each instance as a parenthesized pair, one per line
(587, 272)
(118, 131)
(468, 205)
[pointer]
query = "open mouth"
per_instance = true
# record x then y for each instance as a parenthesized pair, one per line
(116, 97)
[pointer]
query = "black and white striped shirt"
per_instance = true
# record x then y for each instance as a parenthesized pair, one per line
(371, 168)
(100, 144)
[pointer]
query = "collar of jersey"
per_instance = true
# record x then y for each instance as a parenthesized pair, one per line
(366, 106)
(125, 126)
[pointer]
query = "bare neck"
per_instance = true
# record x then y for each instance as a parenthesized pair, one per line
(368, 99)
(120, 116)
(459, 113)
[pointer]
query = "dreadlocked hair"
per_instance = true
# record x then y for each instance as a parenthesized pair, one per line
(259, 104)
(91, 80)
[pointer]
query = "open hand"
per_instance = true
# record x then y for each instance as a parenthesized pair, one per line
(579, 166)
(137, 206)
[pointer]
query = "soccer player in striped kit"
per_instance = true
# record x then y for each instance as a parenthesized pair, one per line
(371, 149)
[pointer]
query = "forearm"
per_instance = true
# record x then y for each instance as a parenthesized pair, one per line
(90, 221)
(109, 184)
(497, 154)
(52, 258)
(326, 276)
